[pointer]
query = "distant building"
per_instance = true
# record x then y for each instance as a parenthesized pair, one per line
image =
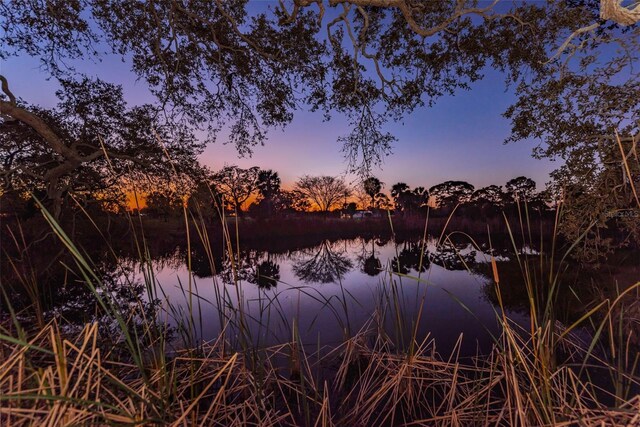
(362, 214)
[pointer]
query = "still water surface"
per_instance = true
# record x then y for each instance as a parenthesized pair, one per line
(332, 291)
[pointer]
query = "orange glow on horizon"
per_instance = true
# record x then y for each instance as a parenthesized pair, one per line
(135, 200)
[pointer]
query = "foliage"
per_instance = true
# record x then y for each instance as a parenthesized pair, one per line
(236, 185)
(164, 204)
(89, 144)
(323, 192)
(521, 189)
(451, 193)
(491, 194)
(269, 188)
(372, 186)
(214, 64)
(409, 201)
(584, 107)
(217, 64)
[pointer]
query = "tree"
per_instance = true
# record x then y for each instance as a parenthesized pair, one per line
(451, 193)
(237, 185)
(292, 201)
(323, 192)
(382, 201)
(268, 187)
(521, 189)
(268, 183)
(491, 194)
(420, 198)
(372, 186)
(583, 106)
(409, 201)
(164, 204)
(89, 144)
(205, 199)
(399, 193)
(350, 208)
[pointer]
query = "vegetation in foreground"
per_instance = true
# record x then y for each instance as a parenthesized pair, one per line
(124, 368)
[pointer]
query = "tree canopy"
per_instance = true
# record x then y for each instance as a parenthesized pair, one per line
(323, 192)
(250, 67)
(237, 185)
(89, 143)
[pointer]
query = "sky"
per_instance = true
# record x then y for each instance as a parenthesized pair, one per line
(460, 138)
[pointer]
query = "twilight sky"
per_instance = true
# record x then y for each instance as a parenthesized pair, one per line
(460, 138)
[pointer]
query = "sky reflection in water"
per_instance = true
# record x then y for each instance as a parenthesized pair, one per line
(335, 289)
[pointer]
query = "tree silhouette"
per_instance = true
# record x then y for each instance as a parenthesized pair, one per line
(164, 204)
(268, 183)
(292, 201)
(382, 201)
(521, 189)
(400, 192)
(225, 63)
(451, 193)
(491, 194)
(89, 144)
(269, 188)
(206, 200)
(323, 192)
(372, 187)
(420, 198)
(236, 184)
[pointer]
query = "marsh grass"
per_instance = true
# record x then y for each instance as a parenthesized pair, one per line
(542, 374)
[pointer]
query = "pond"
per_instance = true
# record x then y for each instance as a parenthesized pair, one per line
(330, 291)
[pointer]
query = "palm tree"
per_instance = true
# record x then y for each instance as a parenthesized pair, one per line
(268, 184)
(372, 187)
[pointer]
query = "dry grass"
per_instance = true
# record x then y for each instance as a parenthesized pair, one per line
(54, 381)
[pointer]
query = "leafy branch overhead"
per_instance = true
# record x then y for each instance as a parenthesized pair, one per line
(228, 63)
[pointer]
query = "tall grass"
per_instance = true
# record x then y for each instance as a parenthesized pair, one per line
(540, 375)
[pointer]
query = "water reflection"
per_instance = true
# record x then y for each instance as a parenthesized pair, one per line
(328, 263)
(369, 263)
(331, 289)
(412, 256)
(456, 256)
(267, 274)
(335, 288)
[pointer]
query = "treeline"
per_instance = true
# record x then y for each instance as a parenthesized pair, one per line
(234, 191)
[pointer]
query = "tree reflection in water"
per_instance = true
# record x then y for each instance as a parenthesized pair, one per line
(204, 264)
(454, 256)
(267, 274)
(324, 265)
(412, 256)
(252, 266)
(369, 263)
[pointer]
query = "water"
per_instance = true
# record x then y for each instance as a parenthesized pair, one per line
(331, 291)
